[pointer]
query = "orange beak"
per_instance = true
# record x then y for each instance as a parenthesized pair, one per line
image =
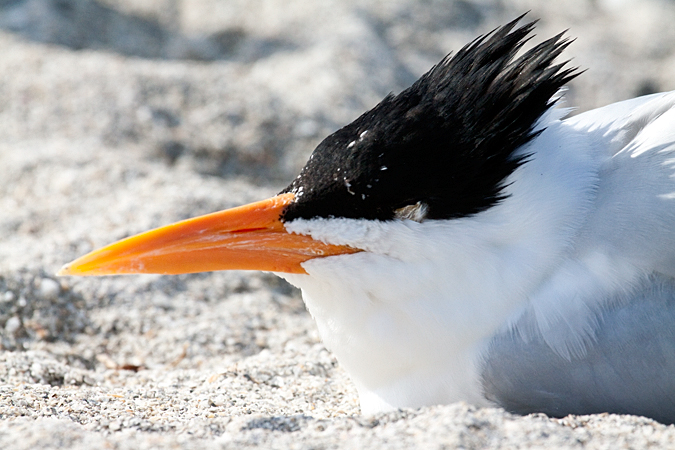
(249, 237)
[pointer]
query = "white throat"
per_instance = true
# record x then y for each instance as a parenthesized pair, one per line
(409, 317)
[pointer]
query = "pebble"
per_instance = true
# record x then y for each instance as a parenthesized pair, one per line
(49, 289)
(12, 325)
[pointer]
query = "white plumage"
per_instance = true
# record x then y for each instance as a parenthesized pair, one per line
(588, 219)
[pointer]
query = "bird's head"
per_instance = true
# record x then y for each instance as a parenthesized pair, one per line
(440, 151)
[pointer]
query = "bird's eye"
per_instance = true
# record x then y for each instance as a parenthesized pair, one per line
(416, 212)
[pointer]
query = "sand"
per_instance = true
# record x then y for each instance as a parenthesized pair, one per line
(118, 116)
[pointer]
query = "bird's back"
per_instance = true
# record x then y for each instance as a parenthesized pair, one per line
(600, 336)
(634, 211)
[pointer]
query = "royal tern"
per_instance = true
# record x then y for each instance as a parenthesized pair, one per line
(463, 240)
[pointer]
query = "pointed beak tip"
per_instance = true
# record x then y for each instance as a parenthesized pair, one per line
(64, 271)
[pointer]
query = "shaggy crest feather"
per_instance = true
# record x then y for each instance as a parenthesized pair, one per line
(447, 142)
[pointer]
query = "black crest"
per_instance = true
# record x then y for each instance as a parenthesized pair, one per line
(444, 144)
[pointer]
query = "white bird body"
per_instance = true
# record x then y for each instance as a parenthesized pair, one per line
(587, 218)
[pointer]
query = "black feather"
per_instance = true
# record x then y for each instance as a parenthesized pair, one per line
(448, 141)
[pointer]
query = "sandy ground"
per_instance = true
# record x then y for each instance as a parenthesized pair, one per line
(118, 116)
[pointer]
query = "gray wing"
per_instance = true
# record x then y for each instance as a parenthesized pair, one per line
(629, 368)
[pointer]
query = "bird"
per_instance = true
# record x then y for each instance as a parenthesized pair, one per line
(469, 239)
